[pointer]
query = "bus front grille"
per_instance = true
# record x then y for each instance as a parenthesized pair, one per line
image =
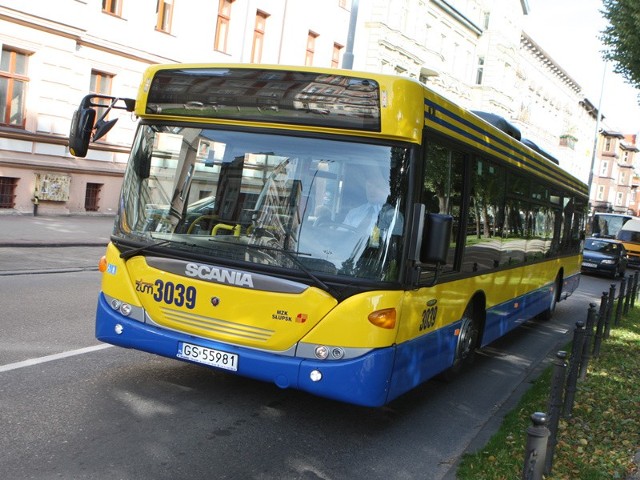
(212, 327)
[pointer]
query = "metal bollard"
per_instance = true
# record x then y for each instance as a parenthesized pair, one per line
(604, 307)
(634, 295)
(555, 407)
(574, 365)
(586, 347)
(627, 299)
(612, 299)
(536, 449)
(607, 327)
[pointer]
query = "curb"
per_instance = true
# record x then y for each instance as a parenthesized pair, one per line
(12, 273)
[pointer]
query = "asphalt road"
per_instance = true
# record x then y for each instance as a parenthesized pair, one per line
(72, 408)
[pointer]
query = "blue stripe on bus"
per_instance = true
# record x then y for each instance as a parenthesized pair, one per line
(533, 162)
(479, 130)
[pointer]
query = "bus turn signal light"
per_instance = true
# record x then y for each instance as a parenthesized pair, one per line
(102, 264)
(385, 318)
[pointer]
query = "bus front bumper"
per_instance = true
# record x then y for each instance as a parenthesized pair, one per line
(361, 381)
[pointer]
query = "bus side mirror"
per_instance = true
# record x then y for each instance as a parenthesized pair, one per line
(436, 238)
(84, 121)
(431, 236)
(429, 243)
(80, 131)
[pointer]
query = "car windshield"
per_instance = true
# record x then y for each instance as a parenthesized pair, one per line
(322, 206)
(602, 247)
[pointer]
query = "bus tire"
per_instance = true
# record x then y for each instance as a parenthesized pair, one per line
(548, 313)
(466, 345)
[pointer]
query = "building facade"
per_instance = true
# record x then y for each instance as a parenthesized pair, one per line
(474, 52)
(615, 183)
(54, 53)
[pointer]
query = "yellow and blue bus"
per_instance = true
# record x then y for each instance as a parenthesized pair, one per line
(348, 234)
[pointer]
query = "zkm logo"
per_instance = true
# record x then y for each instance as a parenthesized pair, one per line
(144, 287)
(220, 275)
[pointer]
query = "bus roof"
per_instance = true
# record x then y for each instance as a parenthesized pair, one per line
(332, 101)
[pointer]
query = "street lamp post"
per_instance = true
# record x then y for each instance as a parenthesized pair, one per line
(347, 59)
(597, 132)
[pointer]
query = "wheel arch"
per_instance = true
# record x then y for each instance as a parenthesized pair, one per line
(478, 304)
(559, 281)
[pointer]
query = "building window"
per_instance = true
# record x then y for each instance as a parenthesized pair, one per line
(101, 84)
(92, 197)
(114, 7)
(568, 141)
(619, 196)
(258, 36)
(600, 194)
(604, 168)
(165, 14)
(485, 20)
(623, 178)
(311, 48)
(479, 70)
(335, 57)
(13, 87)
(7, 192)
(222, 27)
(607, 144)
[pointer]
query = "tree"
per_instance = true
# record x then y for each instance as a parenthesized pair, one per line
(621, 38)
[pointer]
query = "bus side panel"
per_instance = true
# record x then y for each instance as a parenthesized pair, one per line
(420, 359)
(507, 316)
(503, 318)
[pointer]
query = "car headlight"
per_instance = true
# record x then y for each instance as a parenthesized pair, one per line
(608, 262)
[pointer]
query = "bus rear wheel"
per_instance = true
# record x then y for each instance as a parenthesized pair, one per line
(468, 337)
(548, 313)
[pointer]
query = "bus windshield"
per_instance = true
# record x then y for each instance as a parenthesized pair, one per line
(320, 206)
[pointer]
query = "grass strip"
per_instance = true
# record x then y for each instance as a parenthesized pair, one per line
(602, 436)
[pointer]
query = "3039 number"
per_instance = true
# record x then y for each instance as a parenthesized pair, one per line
(175, 294)
(428, 318)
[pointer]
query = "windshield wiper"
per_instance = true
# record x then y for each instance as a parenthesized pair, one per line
(291, 256)
(134, 251)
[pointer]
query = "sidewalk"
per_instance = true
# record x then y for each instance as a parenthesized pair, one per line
(71, 231)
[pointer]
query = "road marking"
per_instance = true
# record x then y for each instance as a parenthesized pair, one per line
(50, 358)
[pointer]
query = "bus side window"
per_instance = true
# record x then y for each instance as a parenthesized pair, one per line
(442, 189)
(485, 217)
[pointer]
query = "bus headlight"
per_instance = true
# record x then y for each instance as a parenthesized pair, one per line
(126, 309)
(337, 353)
(321, 352)
(315, 375)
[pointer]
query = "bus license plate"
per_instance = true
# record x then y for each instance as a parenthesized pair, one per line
(208, 356)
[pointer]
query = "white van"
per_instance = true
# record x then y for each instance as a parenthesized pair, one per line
(629, 235)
